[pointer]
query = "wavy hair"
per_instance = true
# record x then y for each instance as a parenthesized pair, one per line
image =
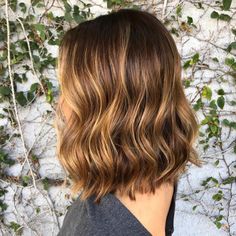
(131, 126)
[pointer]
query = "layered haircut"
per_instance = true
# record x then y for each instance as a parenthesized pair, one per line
(131, 126)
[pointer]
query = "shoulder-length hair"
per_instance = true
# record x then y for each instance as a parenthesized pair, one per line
(131, 126)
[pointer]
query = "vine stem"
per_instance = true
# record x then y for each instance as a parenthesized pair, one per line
(30, 53)
(164, 8)
(13, 93)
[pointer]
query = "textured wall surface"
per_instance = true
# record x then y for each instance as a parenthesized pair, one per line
(33, 199)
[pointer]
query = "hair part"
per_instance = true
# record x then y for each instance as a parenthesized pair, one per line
(131, 125)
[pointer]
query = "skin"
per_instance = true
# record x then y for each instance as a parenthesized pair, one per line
(150, 209)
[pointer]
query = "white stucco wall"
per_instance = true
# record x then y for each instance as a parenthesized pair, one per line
(209, 39)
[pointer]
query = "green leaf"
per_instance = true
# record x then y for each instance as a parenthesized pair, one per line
(37, 210)
(205, 147)
(226, 4)
(214, 129)
(231, 46)
(67, 6)
(3, 206)
(233, 31)
(14, 226)
(5, 159)
(214, 15)
(213, 104)
(35, 2)
(205, 120)
(77, 15)
(195, 58)
(178, 10)
(194, 207)
(215, 59)
(186, 64)
(2, 192)
(68, 17)
(229, 180)
(218, 218)
(229, 61)
(30, 96)
(218, 224)
(224, 17)
(216, 163)
(204, 182)
(21, 99)
(26, 180)
(225, 122)
(206, 92)
(13, 4)
(23, 7)
(220, 92)
(34, 87)
(5, 90)
(41, 29)
(221, 102)
(232, 124)
(217, 197)
(187, 83)
(45, 183)
(198, 105)
(190, 20)
(214, 179)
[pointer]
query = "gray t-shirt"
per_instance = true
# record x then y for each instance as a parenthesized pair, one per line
(108, 218)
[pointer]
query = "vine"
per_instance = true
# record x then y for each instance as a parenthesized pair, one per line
(29, 37)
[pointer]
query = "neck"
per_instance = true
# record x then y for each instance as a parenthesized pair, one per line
(150, 209)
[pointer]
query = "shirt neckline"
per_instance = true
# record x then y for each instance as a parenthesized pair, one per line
(132, 217)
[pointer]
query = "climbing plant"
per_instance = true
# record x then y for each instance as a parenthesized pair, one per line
(30, 33)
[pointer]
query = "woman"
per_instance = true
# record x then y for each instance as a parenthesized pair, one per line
(128, 131)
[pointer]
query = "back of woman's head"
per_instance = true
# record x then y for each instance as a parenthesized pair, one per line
(131, 126)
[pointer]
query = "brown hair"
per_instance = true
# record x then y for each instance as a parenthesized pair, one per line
(131, 126)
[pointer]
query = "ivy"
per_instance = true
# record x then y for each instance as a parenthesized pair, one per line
(208, 180)
(5, 159)
(21, 99)
(4, 91)
(207, 92)
(221, 102)
(226, 5)
(179, 10)
(230, 61)
(231, 124)
(45, 182)
(198, 105)
(229, 180)
(231, 46)
(220, 92)
(48, 29)
(218, 196)
(192, 61)
(15, 226)
(217, 221)
(23, 7)
(3, 206)
(25, 180)
(222, 16)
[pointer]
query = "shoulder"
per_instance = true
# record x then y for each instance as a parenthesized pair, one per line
(85, 218)
(74, 215)
(107, 218)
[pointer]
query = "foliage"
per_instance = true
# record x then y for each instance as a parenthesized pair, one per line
(36, 28)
